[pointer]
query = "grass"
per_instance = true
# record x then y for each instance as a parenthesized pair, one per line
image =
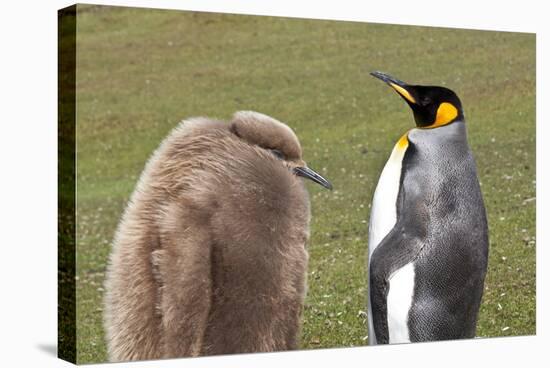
(141, 71)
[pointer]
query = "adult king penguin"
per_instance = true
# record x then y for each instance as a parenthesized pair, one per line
(210, 256)
(428, 242)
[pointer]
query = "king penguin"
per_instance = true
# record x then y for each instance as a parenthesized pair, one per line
(428, 237)
(210, 256)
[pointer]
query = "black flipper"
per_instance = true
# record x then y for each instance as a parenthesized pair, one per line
(396, 250)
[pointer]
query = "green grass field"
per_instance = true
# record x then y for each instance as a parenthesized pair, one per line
(139, 72)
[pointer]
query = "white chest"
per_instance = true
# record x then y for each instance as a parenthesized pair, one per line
(382, 220)
(384, 210)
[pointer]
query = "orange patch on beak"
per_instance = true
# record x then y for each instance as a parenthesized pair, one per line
(403, 92)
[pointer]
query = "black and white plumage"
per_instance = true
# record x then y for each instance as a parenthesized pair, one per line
(428, 236)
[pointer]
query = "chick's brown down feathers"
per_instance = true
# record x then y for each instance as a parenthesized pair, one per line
(210, 255)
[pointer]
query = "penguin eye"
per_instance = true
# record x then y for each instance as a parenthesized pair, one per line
(278, 154)
(425, 101)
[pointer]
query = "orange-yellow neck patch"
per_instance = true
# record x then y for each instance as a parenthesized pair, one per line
(403, 142)
(403, 92)
(446, 113)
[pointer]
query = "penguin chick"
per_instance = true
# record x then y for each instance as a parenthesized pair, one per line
(210, 255)
(428, 236)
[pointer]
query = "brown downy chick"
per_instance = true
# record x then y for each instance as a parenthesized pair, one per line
(210, 255)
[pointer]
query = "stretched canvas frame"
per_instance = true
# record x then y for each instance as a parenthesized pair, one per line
(513, 225)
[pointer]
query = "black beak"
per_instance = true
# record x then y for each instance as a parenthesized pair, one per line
(306, 172)
(400, 87)
(388, 78)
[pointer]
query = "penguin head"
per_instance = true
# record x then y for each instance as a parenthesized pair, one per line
(277, 140)
(432, 106)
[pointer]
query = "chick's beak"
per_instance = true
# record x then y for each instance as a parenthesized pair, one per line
(306, 172)
(400, 87)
